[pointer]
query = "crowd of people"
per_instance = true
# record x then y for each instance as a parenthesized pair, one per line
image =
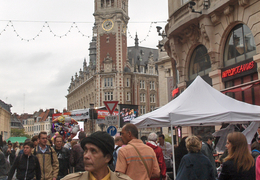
(99, 156)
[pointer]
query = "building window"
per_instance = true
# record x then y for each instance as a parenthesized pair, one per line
(108, 96)
(152, 98)
(240, 45)
(127, 82)
(128, 96)
(142, 84)
(152, 87)
(200, 62)
(142, 97)
(142, 109)
(152, 108)
(151, 70)
(108, 82)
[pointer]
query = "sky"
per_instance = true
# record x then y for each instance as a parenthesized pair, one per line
(43, 44)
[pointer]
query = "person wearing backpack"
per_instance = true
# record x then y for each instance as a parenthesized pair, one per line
(47, 156)
(118, 144)
(27, 165)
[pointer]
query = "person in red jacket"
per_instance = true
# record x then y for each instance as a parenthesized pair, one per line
(152, 138)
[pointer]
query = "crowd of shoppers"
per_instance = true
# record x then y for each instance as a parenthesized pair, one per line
(100, 156)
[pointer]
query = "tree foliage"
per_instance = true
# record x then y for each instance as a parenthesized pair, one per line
(18, 133)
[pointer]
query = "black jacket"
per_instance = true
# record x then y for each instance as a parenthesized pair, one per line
(63, 156)
(26, 166)
(11, 156)
(229, 172)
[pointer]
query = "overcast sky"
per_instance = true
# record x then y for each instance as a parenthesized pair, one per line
(36, 74)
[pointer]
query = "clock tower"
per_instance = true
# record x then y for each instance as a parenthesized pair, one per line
(111, 18)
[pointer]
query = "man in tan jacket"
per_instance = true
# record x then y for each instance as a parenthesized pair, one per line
(98, 153)
(47, 158)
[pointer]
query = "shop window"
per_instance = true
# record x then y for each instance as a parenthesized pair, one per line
(240, 45)
(200, 62)
(251, 95)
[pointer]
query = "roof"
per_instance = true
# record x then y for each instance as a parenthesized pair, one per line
(7, 107)
(18, 139)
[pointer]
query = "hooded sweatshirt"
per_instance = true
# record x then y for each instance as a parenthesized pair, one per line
(160, 158)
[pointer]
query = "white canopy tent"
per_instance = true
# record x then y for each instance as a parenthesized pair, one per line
(199, 105)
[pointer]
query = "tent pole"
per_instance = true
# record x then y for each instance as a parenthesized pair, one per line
(173, 157)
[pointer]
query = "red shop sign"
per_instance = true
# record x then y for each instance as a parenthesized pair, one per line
(238, 69)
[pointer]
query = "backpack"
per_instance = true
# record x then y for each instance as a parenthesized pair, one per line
(112, 166)
(115, 156)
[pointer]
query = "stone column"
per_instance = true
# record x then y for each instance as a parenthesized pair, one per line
(257, 60)
(216, 79)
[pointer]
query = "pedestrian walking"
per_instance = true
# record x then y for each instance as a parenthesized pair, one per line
(167, 152)
(26, 164)
(239, 164)
(152, 138)
(136, 159)
(76, 156)
(195, 165)
(63, 155)
(98, 153)
(207, 150)
(47, 158)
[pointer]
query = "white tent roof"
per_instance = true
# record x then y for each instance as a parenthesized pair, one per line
(200, 104)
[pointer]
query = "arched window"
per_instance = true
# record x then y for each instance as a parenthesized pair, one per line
(200, 63)
(240, 45)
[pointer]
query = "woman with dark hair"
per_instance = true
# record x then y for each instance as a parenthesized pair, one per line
(239, 164)
(180, 151)
(195, 165)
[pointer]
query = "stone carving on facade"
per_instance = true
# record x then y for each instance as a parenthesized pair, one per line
(214, 60)
(172, 48)
(204, 32)
(190, 34)
(215, 18)
(243, 2)
(108, 59)
(228, 10)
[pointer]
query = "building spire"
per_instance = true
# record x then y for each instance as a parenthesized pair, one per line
(136, 40)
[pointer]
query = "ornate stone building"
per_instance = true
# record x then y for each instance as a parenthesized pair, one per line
(218, 40)
(115, 72)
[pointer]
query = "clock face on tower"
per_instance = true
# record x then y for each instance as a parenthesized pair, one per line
(107, 25)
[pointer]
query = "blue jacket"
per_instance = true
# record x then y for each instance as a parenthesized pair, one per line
(195, 166)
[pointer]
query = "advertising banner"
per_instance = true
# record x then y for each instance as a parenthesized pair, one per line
(79, 114)
(103, 113)
(127, 113)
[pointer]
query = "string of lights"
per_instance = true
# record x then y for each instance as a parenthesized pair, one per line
(73, 25)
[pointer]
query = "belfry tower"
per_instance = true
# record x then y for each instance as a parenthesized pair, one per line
(111, 18)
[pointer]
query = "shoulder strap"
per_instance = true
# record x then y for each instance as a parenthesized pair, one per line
(141, 159)
(117, 148)
(51, 155)
(255, 150)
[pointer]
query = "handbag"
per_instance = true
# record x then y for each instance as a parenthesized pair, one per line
(141, 159)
